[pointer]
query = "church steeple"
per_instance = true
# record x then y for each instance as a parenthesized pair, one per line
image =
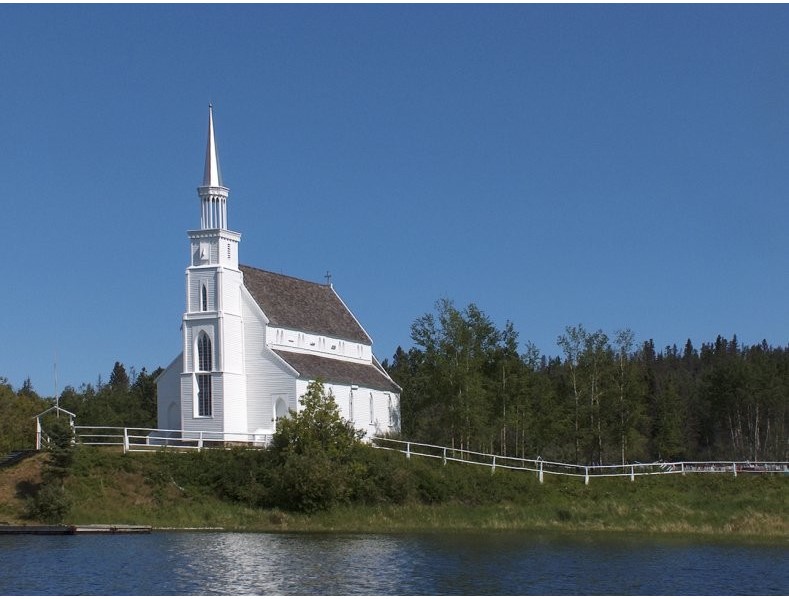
(212, 176)
(213, 195)
(212, 371)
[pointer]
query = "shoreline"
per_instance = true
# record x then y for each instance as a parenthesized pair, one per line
(181, 495)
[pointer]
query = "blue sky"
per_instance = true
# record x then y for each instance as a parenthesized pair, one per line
(616, 166)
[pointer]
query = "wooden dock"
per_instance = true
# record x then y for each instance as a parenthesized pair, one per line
(69, 529)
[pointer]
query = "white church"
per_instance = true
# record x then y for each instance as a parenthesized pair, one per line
(253, 340)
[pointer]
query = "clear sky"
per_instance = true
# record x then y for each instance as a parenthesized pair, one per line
(616, 166)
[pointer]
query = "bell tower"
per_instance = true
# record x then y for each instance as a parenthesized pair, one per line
(213, 388)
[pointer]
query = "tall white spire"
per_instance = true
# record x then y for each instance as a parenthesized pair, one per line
(212, 176)
(213, 195)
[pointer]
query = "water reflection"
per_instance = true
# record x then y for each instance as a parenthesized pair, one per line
(407, 564)
(265, 564)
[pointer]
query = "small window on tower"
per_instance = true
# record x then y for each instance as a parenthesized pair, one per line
(204, 298)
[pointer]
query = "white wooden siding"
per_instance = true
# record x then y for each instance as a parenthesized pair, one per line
(231, 291)
(234, 408)
(233, 344)
(266, 375)
(168, 392)
(197, 278)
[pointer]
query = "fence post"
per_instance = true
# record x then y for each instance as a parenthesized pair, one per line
(586, 475)
(493, 466)
(682, 467)
(734, 469)
(445, 456)
(125, 440)
(200, 442)
(632, 474)
(408, 450)
(540, 471)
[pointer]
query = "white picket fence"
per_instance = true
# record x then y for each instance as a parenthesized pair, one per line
(149, 439)
(155, 439)
(542, 467)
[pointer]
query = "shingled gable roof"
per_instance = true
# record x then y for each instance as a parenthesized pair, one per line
(301, 305)
(331, 370)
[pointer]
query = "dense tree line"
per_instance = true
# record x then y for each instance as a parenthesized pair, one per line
(604, 400)
(127, 399)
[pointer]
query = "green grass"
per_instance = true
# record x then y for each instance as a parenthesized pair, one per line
(191, 491)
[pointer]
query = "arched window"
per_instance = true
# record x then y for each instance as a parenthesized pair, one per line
(204, 365)
(203, 298)
(204, 361)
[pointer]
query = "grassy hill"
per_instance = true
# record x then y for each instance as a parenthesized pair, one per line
(220, 488)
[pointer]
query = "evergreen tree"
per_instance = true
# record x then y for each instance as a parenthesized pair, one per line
(119, 380)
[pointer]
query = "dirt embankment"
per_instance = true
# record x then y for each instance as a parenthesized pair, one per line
(17, 483)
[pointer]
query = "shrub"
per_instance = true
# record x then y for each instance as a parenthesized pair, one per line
(313, 450)
(50, 504)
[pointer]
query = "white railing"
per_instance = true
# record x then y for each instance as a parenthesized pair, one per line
(154, 439)
(542, 467)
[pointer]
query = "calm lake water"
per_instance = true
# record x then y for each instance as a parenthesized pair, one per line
(405, 564)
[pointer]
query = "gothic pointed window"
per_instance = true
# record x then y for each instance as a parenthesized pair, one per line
(203, 298)
(204, 367)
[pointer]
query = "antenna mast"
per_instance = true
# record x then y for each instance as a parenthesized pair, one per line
(57, 399)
